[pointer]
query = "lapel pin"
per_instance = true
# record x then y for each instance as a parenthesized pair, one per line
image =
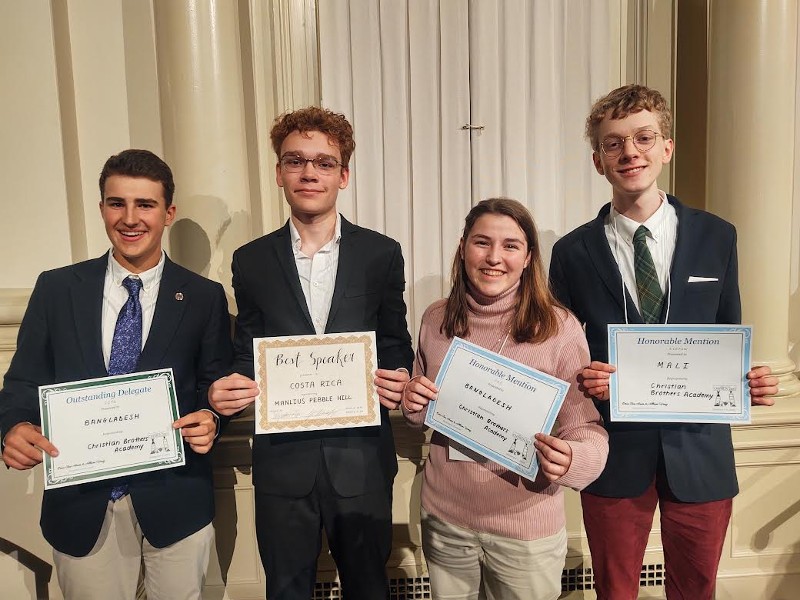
(178, 296)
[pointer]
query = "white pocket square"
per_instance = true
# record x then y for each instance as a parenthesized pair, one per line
(695, 279)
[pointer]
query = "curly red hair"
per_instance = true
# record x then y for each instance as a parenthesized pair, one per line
(315, 118)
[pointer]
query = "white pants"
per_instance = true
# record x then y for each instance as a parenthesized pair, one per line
(469, 565)
(113, 569)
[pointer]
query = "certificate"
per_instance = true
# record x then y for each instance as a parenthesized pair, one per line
(680, 373)
(311, 382)
(110, 427)
(494, 406)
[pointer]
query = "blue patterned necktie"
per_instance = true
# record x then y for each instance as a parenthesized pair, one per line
(126, 345)
(651, 297)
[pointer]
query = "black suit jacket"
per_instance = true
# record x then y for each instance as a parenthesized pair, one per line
(368, 296)
(60, 340)
(584, 276)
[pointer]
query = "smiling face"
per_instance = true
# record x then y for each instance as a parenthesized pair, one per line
(135, 214)
(495, 253)
(311, 195)
(633, 174)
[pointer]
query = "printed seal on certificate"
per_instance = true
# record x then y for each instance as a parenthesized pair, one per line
(314, 382)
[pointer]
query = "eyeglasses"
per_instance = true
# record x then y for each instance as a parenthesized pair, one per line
(643, 140)
(323, 164)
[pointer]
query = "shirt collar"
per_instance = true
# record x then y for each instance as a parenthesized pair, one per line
(626, 226)
(297, 242)
(149, 278)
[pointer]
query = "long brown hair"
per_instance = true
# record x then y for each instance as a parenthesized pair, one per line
(535, 318)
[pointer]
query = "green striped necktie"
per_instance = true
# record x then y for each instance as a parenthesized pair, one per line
(651, 297)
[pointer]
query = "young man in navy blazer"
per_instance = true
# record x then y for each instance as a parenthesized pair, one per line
(320, 274)
(103, 533)
(687, 469)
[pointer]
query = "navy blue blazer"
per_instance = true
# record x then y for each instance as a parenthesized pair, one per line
(60, 340)
(368, 296)
(584, 276)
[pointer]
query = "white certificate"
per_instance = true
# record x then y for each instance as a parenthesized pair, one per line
(680, 373)
(494, 406)
(110, 427)
(311, 382)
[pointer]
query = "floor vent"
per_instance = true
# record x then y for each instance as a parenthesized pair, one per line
(576, 580)
(652, 575)
(582, 578)
(407, 588)
(419, 588)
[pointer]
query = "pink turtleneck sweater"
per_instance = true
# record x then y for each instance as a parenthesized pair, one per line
(485, 496)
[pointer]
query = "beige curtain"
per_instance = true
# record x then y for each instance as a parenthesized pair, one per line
(412, 74)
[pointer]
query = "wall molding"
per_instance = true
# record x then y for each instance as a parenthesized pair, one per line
(13, 302)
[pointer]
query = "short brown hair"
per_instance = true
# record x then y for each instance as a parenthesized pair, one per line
(535, 318)
(139, 163)
(315, 118)
(623, 101)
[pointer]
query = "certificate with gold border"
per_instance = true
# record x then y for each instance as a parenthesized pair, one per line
(313, 382)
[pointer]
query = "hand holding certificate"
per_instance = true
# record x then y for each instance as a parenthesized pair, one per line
(494, 406)
(680, 373)
(110, 427)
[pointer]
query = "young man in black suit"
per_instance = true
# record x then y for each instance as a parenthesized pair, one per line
(687, 469)
(103, 532)
(320, 274)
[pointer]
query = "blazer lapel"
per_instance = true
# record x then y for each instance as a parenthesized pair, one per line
(284, 253)
(87, 303)
(604, 263)
(685, 249)
(170, 305)
(347, 259)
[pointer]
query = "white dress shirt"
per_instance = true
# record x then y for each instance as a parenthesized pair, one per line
(663, 226)
(115, 295)
(318, 274)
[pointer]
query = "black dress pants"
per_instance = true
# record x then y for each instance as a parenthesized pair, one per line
(359, 531)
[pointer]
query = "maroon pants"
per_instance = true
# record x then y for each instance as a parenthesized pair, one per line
(692, 535)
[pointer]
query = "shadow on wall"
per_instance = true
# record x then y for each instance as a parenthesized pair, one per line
(763, 530)
(208, 251)
(41, 569)
(782, 585)
(794, 329)
(785, 585)
(190, 246)
(233, 233)
(409, 442)
(226, 525)
(232, 455)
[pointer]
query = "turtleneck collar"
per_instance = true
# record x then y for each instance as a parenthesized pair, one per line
(491, 305)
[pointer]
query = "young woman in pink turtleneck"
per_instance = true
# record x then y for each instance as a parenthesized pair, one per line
(485, 527)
